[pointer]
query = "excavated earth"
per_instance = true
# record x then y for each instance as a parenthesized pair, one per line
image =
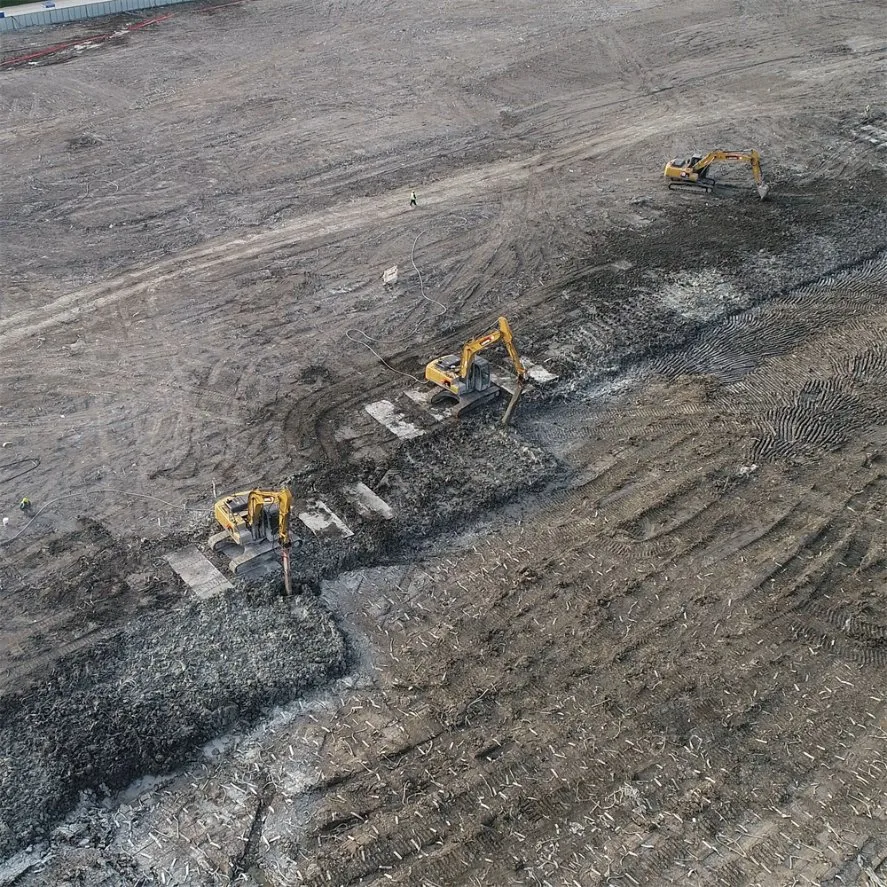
(637, 638)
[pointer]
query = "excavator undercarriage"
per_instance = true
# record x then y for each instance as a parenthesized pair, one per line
(477, 390)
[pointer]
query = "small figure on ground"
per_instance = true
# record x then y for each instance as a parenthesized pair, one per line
(25, 504)
(413, 201)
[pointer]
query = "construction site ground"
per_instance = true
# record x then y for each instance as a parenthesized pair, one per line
(636, 638)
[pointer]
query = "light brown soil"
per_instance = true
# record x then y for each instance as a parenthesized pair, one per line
(639, 639)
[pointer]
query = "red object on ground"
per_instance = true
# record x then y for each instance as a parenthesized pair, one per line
(99, 38)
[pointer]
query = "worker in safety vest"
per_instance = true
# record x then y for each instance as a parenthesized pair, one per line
(413, 201)
(25, 504)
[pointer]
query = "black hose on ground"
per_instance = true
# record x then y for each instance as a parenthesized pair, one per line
(7, 466)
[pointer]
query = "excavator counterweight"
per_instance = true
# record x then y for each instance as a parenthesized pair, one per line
(694, 173)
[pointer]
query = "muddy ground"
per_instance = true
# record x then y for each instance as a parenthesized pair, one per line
(637, 638)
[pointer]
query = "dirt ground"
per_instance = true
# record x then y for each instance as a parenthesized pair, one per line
(638, 638)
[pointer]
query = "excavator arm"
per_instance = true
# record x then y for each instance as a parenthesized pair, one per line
(758, 173)
(752, 158)
(502, 333)
(508, 339)
(283, 498)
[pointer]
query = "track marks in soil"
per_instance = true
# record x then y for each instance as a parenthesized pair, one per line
(605, 780)
(724, 636)
(242, 865)
(603, 672)
(769, 361)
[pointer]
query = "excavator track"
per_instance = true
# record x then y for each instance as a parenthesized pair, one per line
(708, 186)
(466, 403)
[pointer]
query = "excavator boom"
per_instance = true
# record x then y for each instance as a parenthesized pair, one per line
(502, 333)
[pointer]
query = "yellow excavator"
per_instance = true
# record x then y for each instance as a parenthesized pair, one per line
(256, 521)
(693, 173)
(465, 378)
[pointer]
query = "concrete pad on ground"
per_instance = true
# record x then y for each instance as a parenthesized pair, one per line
(536, 372)
(422, 398)
(508, 384)
(323, 522)
(367, 503)
(197, 572)
(384, 412)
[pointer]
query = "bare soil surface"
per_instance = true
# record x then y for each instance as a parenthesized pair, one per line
(638, 638)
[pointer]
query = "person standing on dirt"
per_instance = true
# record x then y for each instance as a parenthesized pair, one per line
(25, 504)
(413, 201)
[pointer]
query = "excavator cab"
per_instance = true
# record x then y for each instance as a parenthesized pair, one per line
(479, 375)
(444, 372)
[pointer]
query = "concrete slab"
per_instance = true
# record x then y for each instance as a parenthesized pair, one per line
(422, 398)
(197, 572)
(323, 522)
(536, 372)
(367, 503)
(384, 412)
(507, 383)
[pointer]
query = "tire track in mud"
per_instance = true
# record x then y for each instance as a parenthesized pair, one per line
(717, 856)
(538, 815)
(837, 597)
(307, 229)
(845, 551)
(813, 556)
(655, 485)
(448, 845)
(551, 806)
(502, 771)
(770, 842)
(745, 341)
(646, 515)
(679, 698)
